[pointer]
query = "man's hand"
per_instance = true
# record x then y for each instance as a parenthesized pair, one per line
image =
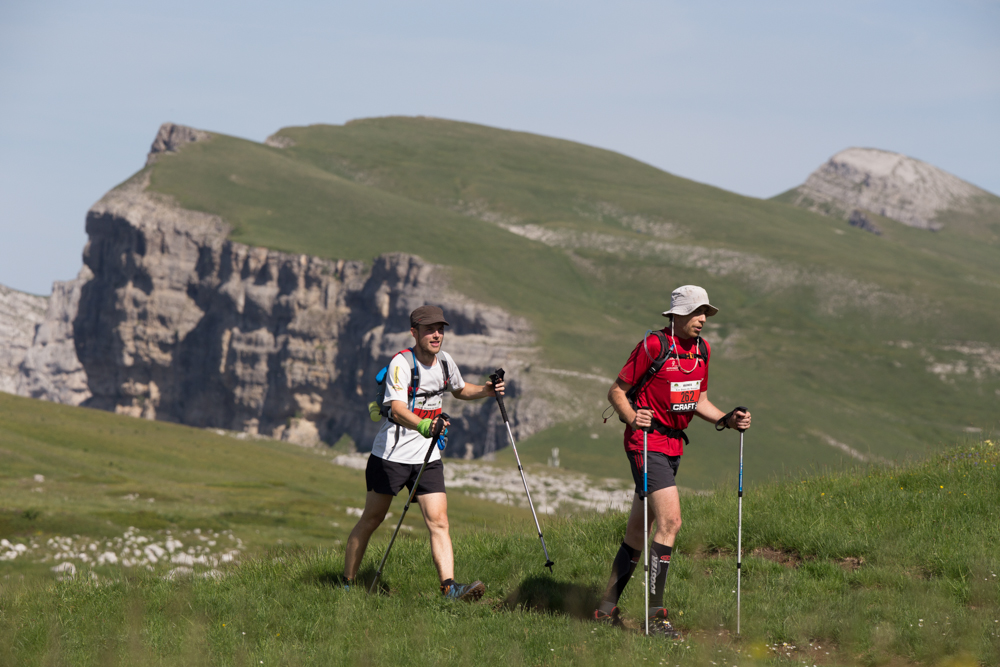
(739, 420)
(494, 389)
(643, 419)
(427, 425)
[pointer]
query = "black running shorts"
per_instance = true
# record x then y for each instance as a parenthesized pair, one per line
(661, 470)
(388, 478)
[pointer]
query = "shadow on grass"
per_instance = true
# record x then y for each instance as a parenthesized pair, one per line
(545, 594)
(335, 579)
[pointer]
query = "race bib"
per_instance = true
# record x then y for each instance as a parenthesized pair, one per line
(684, 395)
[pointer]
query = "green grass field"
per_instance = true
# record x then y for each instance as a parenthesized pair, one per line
(104, 474)
(885, 344)
(874, 566)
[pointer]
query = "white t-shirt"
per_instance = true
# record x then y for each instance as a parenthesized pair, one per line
(411, 447)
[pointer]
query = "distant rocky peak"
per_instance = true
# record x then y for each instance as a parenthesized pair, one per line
(171, 137)
(889, 184)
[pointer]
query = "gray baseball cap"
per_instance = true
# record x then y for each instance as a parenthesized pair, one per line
(688, 298)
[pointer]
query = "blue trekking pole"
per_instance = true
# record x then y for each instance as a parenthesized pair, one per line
(436, 439)
(645, 516)
(722, 425)
(739, 532)
(739, 541)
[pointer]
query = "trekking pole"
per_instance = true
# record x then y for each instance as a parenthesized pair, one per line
(645, 516)
(497, 376)
(435, 436)
(739, 532)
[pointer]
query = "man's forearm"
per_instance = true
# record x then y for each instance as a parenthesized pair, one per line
(619, 401)
(404, 417)
(707, 411)
(471, 392)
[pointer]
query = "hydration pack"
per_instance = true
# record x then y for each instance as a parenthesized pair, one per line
(378, 410)
(633, 393)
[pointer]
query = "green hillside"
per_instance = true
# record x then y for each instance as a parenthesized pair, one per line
(104, 475)
(867, 567)
(839, 340)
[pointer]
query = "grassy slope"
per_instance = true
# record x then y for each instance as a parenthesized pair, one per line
(925, 535)
(395, 184)
(266, 492)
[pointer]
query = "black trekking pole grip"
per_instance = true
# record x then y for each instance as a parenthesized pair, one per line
(438, 426)
(740, 408)
(647, 429)
(497, 376)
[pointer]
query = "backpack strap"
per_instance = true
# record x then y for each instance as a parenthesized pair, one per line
(657, 364)
(414, 381)
(447, 373)
(633, 393)
(447, 379)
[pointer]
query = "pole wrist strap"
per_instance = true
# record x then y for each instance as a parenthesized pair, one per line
(723, 422)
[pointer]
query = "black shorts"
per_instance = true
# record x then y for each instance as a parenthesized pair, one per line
(388, 478)
(661, 470)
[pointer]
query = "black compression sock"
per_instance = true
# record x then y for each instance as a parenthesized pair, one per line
(659, 562)
(621, 571)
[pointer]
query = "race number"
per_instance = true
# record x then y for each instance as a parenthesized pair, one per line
(684, 395)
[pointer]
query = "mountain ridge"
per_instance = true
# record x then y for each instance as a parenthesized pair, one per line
(585, 245)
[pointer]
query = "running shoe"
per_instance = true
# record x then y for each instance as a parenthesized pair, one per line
(659, 626)
(605, 618)
(470, 592)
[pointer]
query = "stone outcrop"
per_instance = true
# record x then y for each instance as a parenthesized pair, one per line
(862, 221)
(171, 137)
(37, 353)
(50, 369)
(892, 185)
(20, 315)
(179, 323)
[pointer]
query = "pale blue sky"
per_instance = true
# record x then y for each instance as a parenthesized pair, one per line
(747, 96)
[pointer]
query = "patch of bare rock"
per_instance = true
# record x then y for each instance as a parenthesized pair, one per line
(888, 184)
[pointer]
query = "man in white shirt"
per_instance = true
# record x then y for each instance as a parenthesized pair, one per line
(402, 443)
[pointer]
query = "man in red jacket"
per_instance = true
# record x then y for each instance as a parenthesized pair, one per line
(664, 406)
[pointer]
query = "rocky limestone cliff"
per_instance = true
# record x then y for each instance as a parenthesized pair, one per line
(50, 369)
(889, 184)
(181, 324)
(37, 353)
(20, 315)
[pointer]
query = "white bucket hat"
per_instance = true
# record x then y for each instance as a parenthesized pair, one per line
(688, 298)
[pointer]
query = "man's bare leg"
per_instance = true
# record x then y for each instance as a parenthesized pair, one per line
(663, 503)
(434, 507)
(376, 506)
(664, 511)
